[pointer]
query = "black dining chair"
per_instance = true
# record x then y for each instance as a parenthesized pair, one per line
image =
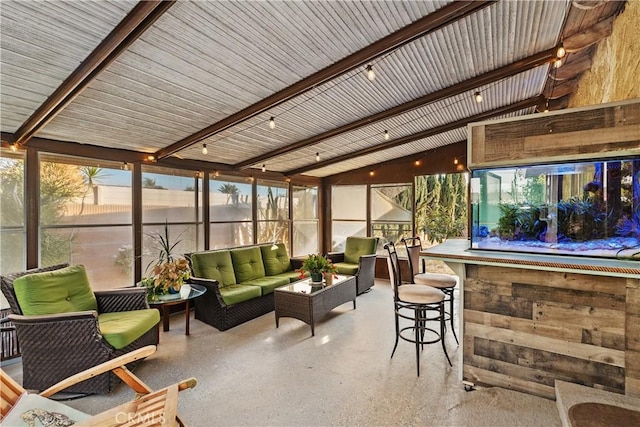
(420, 305)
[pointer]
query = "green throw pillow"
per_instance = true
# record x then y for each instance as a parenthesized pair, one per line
(65, 290)
(215, 265)
(276, 261)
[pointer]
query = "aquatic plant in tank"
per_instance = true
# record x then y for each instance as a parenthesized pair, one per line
(584, 209)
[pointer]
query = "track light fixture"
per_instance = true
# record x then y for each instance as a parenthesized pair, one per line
(561, 52)
(272, 122)
(216, 174)
(13, 147)
(371, 75)
(371, 173)
(455, 161)
(557, 63)
(204, 149)
(478, 97)
(264, 167)
(386, 135)
(317, 157)
(546, 106)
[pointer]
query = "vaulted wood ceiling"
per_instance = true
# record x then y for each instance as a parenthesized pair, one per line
(163, 78)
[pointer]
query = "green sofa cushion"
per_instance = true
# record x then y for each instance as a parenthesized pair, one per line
(234, 294)
(358, 246)
(346, 268)
(292, 276)
(247, 264)
(124, 327)
(268, 283)
(215, 265)
(275, 261)
(65, 290)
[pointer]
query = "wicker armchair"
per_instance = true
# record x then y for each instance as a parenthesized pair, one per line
(57, 346)
(358, 259)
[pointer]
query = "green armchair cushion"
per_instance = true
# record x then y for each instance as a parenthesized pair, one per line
(276, 261)
(358, 246)
(215, 265)
(66, 290)
(124, 327)
(235, 294)
(247, 264)
(347, 268)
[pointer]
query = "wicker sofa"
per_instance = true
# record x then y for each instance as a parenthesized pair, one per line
(240, 282)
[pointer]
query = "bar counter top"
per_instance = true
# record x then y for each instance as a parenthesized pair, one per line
(458, 251)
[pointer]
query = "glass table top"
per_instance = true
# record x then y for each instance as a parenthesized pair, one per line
(305, 286)
(196, 291)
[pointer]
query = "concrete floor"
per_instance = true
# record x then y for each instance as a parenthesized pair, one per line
(257, 375)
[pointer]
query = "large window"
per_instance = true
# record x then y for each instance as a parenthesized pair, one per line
(305, 220)
(171, 204)
(441, 206)
(86, 218)
(349, 214)
(230, 212)
(272, 200)
(12, 218)
(391, 213)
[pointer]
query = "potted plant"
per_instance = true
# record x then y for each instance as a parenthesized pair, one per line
(317, 266)
(168, 273)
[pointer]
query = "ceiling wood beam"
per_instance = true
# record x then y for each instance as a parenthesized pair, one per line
(432, 22)
(589, 36)
(517, 67)
(575, 64)
(141, 17)
(531, 102)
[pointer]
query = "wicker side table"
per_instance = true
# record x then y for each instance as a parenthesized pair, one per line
(303, 302)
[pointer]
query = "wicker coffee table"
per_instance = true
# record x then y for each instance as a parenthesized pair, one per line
(308, 303)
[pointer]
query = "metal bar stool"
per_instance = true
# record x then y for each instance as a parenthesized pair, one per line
(414, 303)
(445, 282)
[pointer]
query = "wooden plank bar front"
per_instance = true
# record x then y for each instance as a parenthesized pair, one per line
(528, 320)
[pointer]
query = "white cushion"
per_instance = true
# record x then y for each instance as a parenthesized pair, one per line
(420, 294)
(436, 280)
(31, 408)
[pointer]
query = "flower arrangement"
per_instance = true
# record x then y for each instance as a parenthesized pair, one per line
(168, 277)
(316, 266)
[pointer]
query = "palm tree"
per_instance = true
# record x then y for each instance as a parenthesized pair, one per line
(91, 176)
(230, 190)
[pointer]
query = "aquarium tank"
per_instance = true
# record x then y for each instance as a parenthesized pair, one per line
(580, 209)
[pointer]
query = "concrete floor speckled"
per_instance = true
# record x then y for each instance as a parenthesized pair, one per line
(257, 375)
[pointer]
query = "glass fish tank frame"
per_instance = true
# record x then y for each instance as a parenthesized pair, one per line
(587, 209)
